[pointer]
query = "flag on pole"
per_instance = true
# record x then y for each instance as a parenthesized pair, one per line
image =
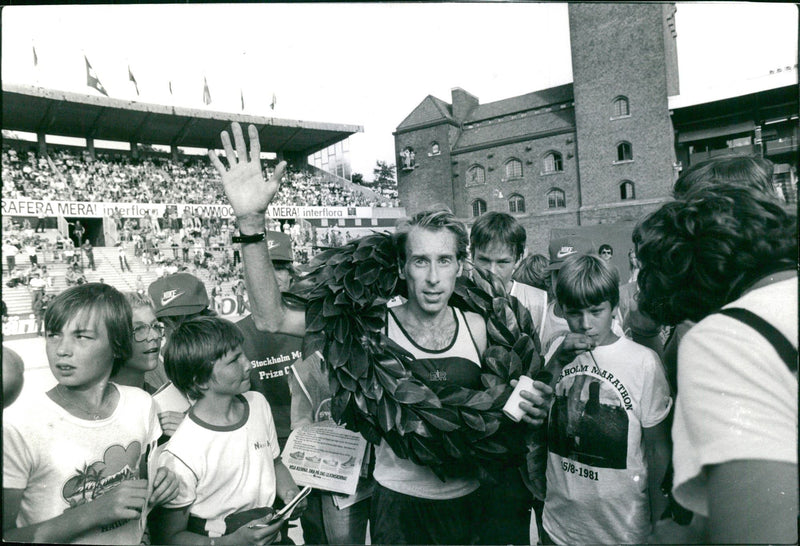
(170, 87)
(206, 92)
(91, 78)
(133, 79)
(274, 101)
(35, 57)
(241, 95)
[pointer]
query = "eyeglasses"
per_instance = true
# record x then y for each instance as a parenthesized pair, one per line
(142, 332)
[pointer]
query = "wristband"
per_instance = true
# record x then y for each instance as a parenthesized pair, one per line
(247, 239)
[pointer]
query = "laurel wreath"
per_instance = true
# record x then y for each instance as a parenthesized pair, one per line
(449, 428)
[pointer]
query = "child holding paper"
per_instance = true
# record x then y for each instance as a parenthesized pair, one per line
(225, 453)
(73, 456)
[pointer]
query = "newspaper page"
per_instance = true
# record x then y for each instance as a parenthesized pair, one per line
(325, 456)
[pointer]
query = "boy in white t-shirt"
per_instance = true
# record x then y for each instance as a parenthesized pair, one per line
(77, 460)
(225, 453)
(607, 435)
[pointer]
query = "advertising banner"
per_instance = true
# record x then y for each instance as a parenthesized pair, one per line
(29, 207)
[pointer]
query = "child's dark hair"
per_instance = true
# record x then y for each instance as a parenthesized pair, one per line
(173, 321)
(109, 305)
(193, 348)
(498, 227)
(587, 280)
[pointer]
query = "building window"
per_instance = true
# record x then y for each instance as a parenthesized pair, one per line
(478, 207)
(476, 175)
(553, 163)
(513, 168)
(626, 190)
(435, 148)
(556, 199)
(516, 204)
(621, 107)
(624, 151)
(408, 158)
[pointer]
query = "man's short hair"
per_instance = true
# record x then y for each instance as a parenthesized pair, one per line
(98, 300)
(193, 348)
(736, 170)
(587, 280)
(434, 220)
(498, 227)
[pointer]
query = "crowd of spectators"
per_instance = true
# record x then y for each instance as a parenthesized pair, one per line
(68, 175)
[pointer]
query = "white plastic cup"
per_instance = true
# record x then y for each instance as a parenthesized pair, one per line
(512, 409)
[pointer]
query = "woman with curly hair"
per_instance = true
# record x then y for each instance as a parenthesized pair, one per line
(719, 248)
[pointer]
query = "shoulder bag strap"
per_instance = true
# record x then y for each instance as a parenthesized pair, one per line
(783, 346)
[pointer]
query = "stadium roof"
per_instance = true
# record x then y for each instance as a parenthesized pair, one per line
(52, 112)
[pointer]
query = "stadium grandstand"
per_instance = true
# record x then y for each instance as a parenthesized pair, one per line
(157, 203)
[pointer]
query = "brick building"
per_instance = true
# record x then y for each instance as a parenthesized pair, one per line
(601, 150)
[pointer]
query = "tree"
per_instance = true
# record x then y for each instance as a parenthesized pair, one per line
(357, 178)
(384, 173)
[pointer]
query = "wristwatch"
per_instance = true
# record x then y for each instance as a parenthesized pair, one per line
(247, 239)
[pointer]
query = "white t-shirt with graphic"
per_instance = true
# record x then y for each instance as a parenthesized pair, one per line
(223, 470)
(62, 461)
(737, 399)
(596, 469)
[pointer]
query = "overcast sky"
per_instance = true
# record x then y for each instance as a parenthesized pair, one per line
(359, 64)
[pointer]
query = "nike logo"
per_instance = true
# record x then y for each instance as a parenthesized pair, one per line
(565, 251)
(170, 295)
(272, 244)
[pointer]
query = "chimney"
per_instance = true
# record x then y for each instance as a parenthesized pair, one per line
(463, 103)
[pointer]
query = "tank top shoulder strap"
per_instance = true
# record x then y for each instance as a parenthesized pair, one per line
(462, 317)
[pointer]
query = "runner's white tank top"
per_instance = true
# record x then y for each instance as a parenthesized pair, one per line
(457, 363)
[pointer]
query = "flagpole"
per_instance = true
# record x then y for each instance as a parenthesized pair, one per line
(35, 64)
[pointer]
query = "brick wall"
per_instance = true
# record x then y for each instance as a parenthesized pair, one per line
(619, 50)
(430, 182)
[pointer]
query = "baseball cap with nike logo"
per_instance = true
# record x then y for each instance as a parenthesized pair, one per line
(563, 247)
(280, 246)
(178, 294)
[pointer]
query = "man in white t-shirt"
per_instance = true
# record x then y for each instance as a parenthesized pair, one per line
(497, 244)
(11, 252)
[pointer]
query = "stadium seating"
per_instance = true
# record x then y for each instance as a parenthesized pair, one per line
(69, 175)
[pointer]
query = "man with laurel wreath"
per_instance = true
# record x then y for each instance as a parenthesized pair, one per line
(411, 504)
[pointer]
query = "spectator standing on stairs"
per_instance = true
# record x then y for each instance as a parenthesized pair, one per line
(89, 250)
(123, 259)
